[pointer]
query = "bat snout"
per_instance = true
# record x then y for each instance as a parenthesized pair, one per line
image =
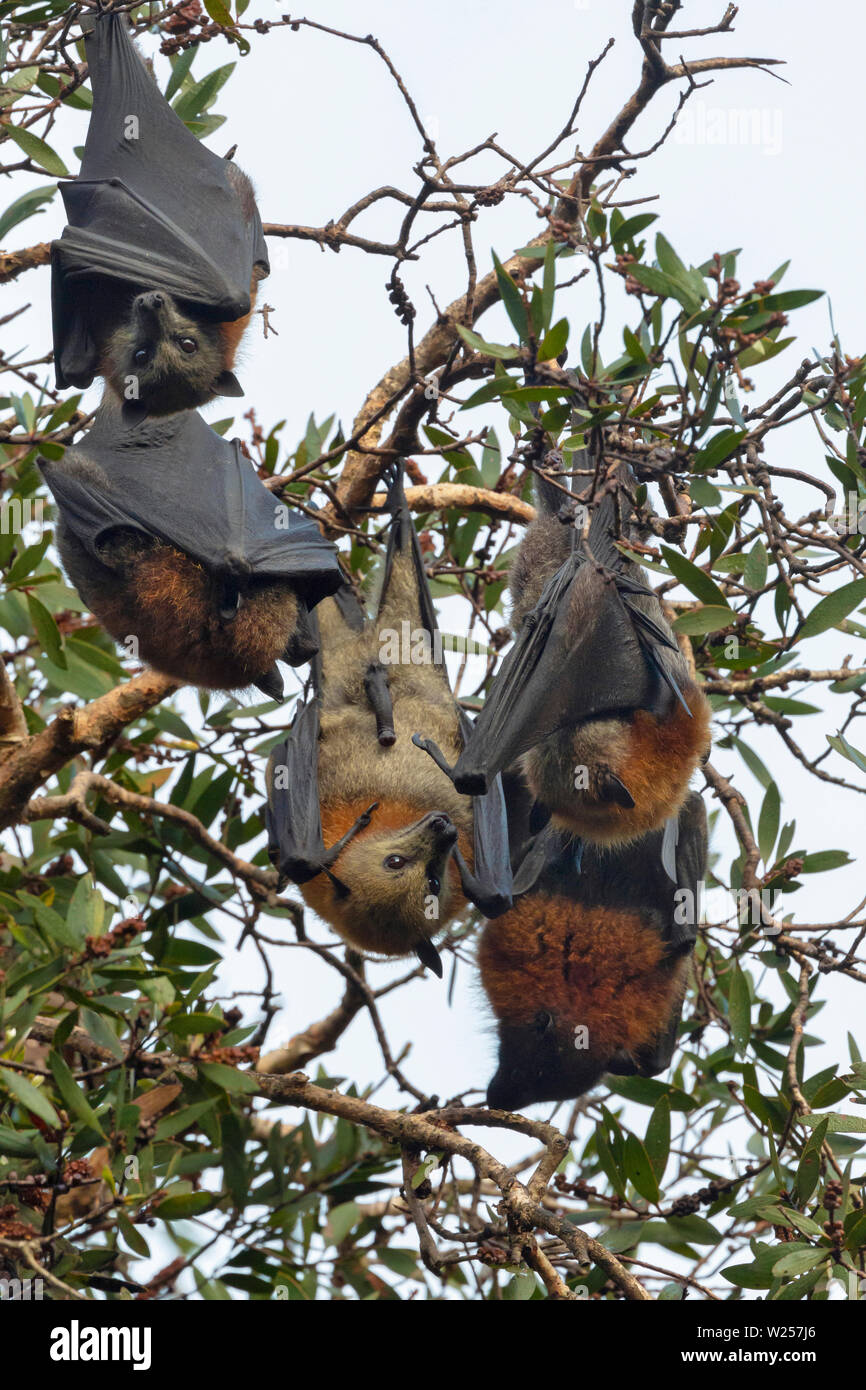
(442, 828)
(150, 306)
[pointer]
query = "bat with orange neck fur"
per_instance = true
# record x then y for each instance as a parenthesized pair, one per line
(381, 843)
(155, 275)
(595, 699)
(588, 971)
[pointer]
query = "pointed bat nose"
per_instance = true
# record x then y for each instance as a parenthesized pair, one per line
(149, 305)
(443, 828)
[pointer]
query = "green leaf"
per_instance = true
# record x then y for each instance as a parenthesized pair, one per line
(30, 1096)
(632, 227)
(341, 1219)
(716, 450)
(832, 609)
(198, 98)
(228, 1079)
(836, 1123)
(755, 572)
(768, 823)
(701, 620)
(185, 1204)
(657, 1141)
(548, 289)
(180, 66)
(73, 1097)
(639, 1169)
(37, 150)
(694, 579)
(219, 13)
(490, 349)
(47, 632)
(799, 1260)
(739, 1009)
(694, 1229)
(521, 1288)
(554, 342)
(824, 860)
(184, 1025)
(511, 299)
(134, 1239)
(22, 208)
(841, 745)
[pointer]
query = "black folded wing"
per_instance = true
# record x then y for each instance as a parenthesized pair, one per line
(151, 208)
(177, 480)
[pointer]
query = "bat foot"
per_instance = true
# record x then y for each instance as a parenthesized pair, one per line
(492, 904)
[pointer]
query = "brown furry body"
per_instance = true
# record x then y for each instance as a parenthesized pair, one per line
(652, 755)
(170, 604)
(386, 911)
(601, 968)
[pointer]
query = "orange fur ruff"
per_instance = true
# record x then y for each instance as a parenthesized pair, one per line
(337, 818)
(231, 333)
(604, 969)
(657, 768)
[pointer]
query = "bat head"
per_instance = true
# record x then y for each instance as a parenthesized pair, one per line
(391, 888)
(161, 360)
(539, 1062)
(612, 779)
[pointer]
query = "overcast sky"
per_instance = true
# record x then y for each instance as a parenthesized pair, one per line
(758, 164)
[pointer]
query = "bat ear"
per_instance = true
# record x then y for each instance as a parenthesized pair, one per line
(340, 888)
(227, 384)
(429, 957)
(271, 684)
(133, 412)
(612, 789)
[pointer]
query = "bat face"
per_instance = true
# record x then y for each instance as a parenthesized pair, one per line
(391, 889)
(167, 359)
(537, 1062)
(611, 780)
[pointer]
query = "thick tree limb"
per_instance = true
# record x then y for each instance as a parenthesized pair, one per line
(13, 263)
(439, 497)
(74, 731)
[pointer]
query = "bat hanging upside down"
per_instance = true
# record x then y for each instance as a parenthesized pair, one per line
(587, 973)
(383, 846)
(184, 556)
(595, 698)
(155, 276)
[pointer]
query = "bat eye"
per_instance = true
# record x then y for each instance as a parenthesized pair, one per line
(394, 861)
(140, 357)
(188, 345)
(433, 884)
(543, 1020)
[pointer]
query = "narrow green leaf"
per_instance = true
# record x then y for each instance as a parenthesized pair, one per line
(37, 150)
(832, 609)
(30, 1096)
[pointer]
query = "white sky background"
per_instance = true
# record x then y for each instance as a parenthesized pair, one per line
(318, 122)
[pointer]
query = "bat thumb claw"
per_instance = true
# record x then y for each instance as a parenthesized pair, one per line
(429, 957)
